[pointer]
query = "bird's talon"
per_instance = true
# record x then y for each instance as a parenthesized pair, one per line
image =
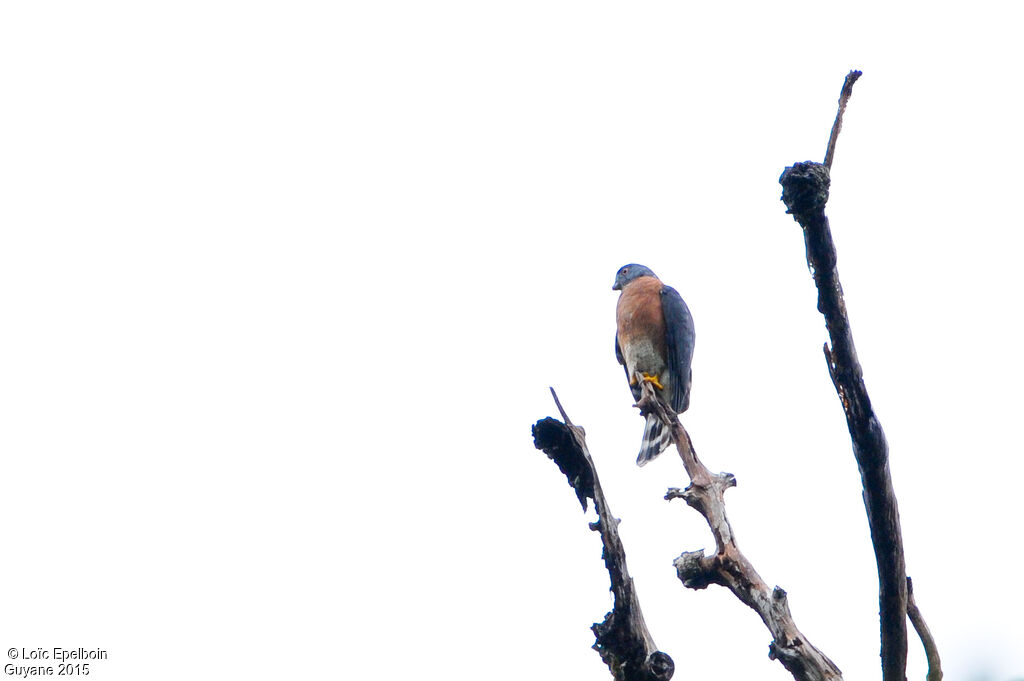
(653, 380)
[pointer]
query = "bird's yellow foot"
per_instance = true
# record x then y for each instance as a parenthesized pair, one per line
(653, 380)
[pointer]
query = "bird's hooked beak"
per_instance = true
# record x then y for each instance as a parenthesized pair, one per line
(616, 286)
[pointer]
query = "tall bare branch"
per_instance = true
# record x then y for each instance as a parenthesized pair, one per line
(805, 192)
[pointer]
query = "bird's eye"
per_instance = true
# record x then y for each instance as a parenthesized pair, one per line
(624, 270)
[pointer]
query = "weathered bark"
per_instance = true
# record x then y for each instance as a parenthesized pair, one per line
(729, 567)
(623, 640)
(805, 192)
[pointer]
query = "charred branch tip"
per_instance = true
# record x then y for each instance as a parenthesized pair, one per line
(805, 189)
(556, 440)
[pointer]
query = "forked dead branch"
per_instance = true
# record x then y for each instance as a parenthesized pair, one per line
(728, 566)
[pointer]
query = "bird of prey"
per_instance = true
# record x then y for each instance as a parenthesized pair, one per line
(654, 342)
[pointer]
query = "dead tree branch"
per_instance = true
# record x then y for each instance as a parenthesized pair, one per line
(930, 649)
(805, 192)
(729, 567)
(623, 641)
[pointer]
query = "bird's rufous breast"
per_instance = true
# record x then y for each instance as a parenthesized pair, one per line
(639, 316)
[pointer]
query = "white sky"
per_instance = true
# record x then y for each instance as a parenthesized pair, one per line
(283, 287)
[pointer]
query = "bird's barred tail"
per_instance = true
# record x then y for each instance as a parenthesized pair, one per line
(656, 440)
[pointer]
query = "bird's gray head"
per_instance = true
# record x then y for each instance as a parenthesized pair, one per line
(628, 273)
